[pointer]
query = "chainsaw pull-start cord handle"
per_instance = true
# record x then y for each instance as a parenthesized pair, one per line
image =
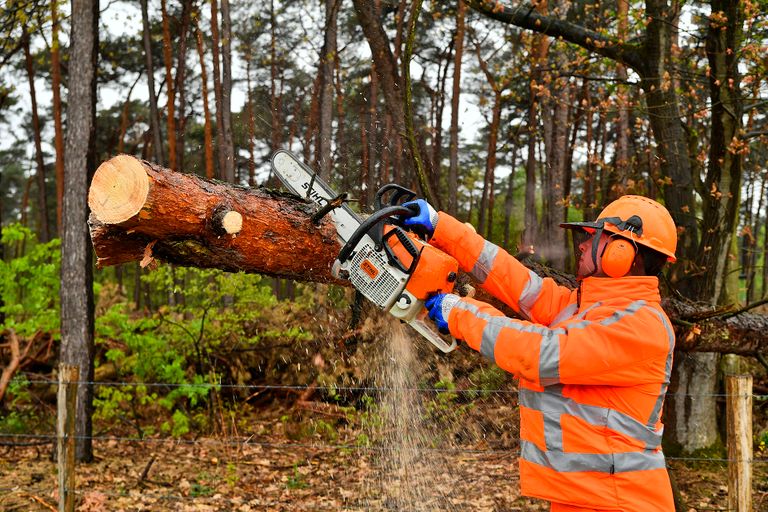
(367, 225)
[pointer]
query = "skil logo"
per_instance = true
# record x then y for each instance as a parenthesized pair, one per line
(369, 268)
(314, 195)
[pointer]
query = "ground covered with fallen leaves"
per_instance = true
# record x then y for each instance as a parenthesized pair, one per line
(421, 435)
(291, 461)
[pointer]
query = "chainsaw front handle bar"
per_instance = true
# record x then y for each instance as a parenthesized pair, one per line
(369, 224)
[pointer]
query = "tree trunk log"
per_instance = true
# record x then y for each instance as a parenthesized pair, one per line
(141, 211)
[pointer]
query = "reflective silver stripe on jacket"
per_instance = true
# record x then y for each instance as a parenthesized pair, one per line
(656, 412)
(551, 402)
(530, 293)
(599, 462)
(484, 262)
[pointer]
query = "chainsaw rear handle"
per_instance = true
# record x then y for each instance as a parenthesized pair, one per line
(371, 223)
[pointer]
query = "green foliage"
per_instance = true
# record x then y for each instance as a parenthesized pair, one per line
(486, 380)
(176, 355)
(444, 407)
(19, 419)
(296, 480)
(29, 282)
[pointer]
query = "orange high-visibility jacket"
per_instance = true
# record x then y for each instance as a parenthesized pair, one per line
(593, 364)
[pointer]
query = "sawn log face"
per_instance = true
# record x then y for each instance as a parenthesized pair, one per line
(179, 222)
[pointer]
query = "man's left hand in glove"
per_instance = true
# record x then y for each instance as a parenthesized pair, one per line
(438, 305)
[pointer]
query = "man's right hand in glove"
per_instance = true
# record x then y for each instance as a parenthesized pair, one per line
(424, 219)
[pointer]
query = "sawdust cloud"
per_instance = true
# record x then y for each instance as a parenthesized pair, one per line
(412, 474)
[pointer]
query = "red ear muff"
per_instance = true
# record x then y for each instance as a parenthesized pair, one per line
(618, 257)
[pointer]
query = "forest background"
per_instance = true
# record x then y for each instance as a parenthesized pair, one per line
(512, 116)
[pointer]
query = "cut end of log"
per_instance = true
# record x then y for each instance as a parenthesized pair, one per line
(232, 222)
(118, 190)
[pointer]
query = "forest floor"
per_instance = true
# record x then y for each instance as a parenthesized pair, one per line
(289, 464)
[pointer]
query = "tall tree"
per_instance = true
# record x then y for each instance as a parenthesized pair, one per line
(170, 87)
(77, 314)
(226, 94)
(207, 128)
(154, 113)
(42, 202)
(458, 55)
(217, 89)
(327, 59)
(57, 114)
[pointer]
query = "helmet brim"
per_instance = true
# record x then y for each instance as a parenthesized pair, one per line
(590, 227)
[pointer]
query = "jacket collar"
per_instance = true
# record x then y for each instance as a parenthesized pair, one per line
(630, 288)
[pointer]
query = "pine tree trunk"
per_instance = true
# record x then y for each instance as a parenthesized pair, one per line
(228, 144)
(170, 88)
(327, 58)
(250, 121)
(372, 118)
(217, 91)
(154, 113)
(42, 202)
(77, 314)
(453, 170)
(142, 211)
(181, 81)
(540, 47)
(207, 128)
(57, 117)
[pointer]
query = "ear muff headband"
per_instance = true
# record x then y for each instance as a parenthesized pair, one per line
(617, 258)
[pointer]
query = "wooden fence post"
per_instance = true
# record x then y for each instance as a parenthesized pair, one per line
(738, 389)
(65, 435)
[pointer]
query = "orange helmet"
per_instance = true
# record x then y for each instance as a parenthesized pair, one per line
(639, 219)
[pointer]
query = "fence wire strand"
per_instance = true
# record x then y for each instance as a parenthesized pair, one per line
(354, 389)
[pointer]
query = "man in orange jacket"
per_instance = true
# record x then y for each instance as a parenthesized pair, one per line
(593, 363)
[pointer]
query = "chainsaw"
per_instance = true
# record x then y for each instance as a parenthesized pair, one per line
(389, 266)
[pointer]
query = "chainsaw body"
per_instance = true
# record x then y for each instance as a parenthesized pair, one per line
(392, 268)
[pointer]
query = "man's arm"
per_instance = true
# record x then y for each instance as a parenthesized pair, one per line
(626, 346)
(498, 272)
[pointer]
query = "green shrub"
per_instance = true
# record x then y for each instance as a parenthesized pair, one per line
(29, 283)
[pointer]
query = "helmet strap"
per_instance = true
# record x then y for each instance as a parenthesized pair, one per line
(595, 245)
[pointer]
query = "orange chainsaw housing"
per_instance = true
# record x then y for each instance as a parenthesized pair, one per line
(435, 271)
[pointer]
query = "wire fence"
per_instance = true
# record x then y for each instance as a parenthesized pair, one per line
(11, 440)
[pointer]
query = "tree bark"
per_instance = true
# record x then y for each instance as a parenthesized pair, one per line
(170, 88)
(154, 113)
(372, 119)
(217, 89)
(207, 128)
(327, 58)
(228, 145)
(42, 202)
(57, 122)
(181, 81)
(77, 314)
(386, 66)
(141, 211)
(415, 142)
(453, 169)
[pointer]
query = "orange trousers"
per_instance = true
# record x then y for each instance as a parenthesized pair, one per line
(562, 507)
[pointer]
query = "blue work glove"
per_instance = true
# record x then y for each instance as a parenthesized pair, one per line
(434, 305)
(424, 220)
